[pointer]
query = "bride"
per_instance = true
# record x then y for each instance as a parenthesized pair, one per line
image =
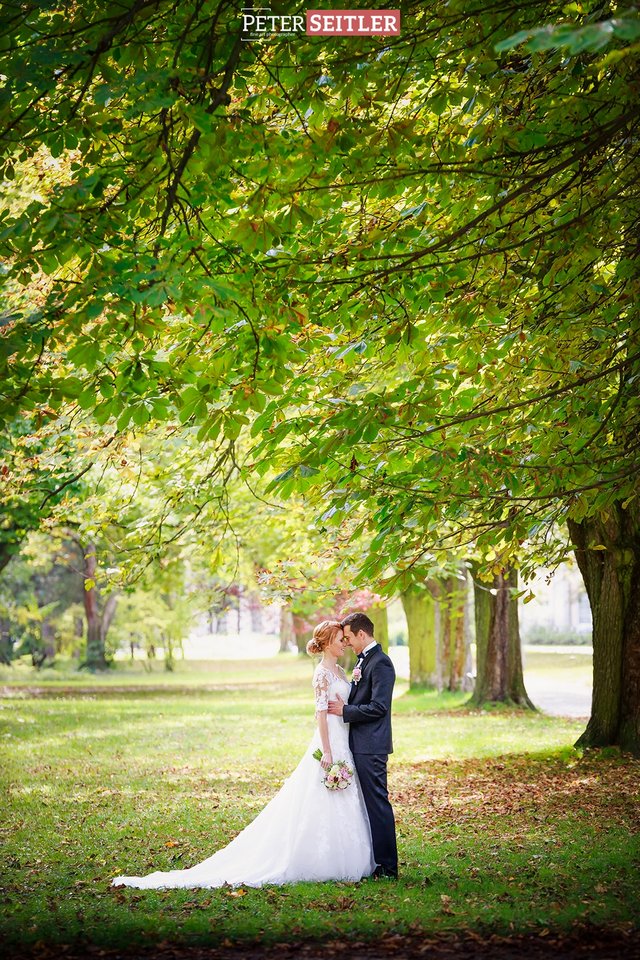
(306, 832)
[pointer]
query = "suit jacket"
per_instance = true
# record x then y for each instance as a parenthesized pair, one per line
(368, 711)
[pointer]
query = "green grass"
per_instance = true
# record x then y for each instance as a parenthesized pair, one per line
(200, 673)
(541, 662)
(502, 825)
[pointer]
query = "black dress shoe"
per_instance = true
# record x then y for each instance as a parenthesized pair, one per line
(381, 873)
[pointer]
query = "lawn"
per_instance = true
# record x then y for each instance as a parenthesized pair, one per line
(502, 825)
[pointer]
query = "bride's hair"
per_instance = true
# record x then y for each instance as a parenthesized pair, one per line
(322, 636)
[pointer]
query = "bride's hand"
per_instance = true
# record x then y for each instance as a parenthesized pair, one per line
(327, 761)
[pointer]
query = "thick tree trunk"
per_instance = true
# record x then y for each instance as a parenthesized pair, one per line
(5, 555)
(467, 676)
(420, 610)
(498, 654)
(287, 633)
(95, 656)
(301, 631)
(454, 646)
(9, 548)
(380, 620)
(108, 614)
(607, 548)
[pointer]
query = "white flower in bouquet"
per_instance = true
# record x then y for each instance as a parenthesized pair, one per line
(338, 776)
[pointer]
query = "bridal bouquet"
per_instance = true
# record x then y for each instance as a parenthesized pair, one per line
(338, 776)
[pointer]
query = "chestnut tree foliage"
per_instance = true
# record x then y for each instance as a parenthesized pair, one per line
(407, 267)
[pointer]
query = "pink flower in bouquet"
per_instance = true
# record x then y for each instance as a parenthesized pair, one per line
(356, 676)
(338, 776)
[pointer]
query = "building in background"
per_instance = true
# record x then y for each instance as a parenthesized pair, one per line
(560, 611)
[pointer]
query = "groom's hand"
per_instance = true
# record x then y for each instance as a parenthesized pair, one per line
(336, 706)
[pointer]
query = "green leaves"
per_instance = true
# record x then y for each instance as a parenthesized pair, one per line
(420, 310)
(191, 404)
(576, 39)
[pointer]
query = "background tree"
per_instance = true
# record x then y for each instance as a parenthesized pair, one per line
(499, 675)
(455, 646)
(420, 609)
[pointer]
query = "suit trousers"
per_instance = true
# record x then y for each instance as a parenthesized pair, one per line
(372, 772)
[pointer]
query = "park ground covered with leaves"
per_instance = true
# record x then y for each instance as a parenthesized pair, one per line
(510, 839)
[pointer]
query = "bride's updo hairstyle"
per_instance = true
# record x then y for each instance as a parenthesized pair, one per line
(322, 636)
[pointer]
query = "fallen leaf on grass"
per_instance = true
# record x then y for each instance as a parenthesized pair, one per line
(344, 903)
(446, 903)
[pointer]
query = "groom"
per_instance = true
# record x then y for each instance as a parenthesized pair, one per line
(368, 711)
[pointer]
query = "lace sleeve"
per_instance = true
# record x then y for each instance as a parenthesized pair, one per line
(321, 681)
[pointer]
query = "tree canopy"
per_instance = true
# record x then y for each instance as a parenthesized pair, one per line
(407, 267)
(412, 257)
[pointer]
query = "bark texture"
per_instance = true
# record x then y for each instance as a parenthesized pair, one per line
(95, 657)
(302, 632)
(498, 653)
(287, 633)
(455, 647)
(607, 549)
(380, 620)
(420, 610)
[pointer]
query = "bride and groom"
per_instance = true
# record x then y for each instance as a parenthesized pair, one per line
(307, 831)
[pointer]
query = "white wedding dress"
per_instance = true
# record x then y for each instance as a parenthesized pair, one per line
(306, 832)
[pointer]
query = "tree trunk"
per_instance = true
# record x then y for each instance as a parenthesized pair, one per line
(454, 637)
(95, 658)
(107, 615)
(167, 643)
(420, 610)
(287, 633)
(607, 548)
(9, 548)
(301, 632)
(467, 676)
(48, 638)
(380, 620)
(498, 655)
(6, 643)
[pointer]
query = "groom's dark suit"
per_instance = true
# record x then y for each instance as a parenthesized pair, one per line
(368, 713)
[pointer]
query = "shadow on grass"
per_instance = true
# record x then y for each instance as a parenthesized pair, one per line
(503, 827)
(501, 845)
(457, 702)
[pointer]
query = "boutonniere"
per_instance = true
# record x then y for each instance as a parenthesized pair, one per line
(356, 676)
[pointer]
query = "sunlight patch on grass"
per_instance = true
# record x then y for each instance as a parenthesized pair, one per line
(500, 821)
